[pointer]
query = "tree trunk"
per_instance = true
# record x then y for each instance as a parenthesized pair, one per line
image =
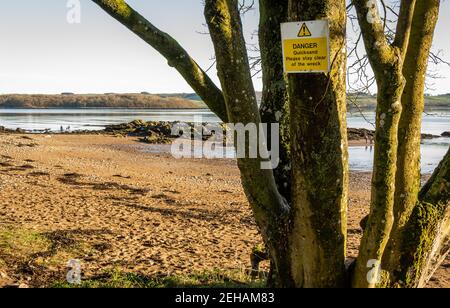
(426, 239)
(269, 207)
(379, 224)
(387, 63)
(319, 157)
(408, 176)
(274, 104)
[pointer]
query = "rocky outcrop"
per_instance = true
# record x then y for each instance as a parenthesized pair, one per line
(429, 136)
(150, 132)
(4, 130)
(362, 133)
(154, 132)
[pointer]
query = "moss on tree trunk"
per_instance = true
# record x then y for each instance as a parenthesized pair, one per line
(274, 104)
(387, 62)
(319, 157)
(426, 239)
(408, 176)
(269, 207)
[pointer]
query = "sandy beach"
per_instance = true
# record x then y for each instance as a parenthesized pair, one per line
(104, 201)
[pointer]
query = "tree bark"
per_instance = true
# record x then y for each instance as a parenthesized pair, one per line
(387, 63)
(319, 157)
(426, 239)
(408, 175)
(274, 104)
(269, 207)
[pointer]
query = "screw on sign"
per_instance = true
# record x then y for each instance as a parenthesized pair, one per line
(306, 47)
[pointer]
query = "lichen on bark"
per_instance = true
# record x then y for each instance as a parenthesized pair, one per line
(408, 176)
(319, 157)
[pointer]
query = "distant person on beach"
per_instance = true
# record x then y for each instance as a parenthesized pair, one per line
(68, 128)
(62, 129)
(366, 137)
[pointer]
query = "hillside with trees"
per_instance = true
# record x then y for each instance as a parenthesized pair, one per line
(369, 102)
(69, 100)
(356, 101)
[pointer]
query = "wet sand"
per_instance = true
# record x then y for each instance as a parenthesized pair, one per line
(102, 200)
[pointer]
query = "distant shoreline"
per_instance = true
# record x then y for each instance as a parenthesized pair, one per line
(121, 101)
(160, 132)
(146, 100)
(108, 108)
(352, 110)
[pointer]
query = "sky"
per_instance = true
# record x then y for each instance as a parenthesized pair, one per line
(42, 53)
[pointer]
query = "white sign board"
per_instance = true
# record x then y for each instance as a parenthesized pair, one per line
(306, 46)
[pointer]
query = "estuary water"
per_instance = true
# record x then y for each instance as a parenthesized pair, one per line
(361, 158)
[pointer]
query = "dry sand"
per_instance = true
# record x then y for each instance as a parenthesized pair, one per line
(139, 212)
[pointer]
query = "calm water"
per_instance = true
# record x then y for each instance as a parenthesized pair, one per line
(361, 158)
(434, 123)
(92, 119)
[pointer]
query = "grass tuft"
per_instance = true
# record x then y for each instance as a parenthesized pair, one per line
(208, 279)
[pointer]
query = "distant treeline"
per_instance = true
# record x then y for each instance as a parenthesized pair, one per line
(69, 100)
(368, 102)
(171, 101)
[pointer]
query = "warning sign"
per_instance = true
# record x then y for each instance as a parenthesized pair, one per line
(304, 31)
(306, 46)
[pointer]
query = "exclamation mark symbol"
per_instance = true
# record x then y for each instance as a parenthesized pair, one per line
(304, 31)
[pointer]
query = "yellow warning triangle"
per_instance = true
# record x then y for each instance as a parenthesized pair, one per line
(304, 31)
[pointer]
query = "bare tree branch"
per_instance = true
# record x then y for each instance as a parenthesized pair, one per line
(168, 47)
(404, 25)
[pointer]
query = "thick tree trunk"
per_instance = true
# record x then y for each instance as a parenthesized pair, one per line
(269, 207)
(408, 178)
(319, 157)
